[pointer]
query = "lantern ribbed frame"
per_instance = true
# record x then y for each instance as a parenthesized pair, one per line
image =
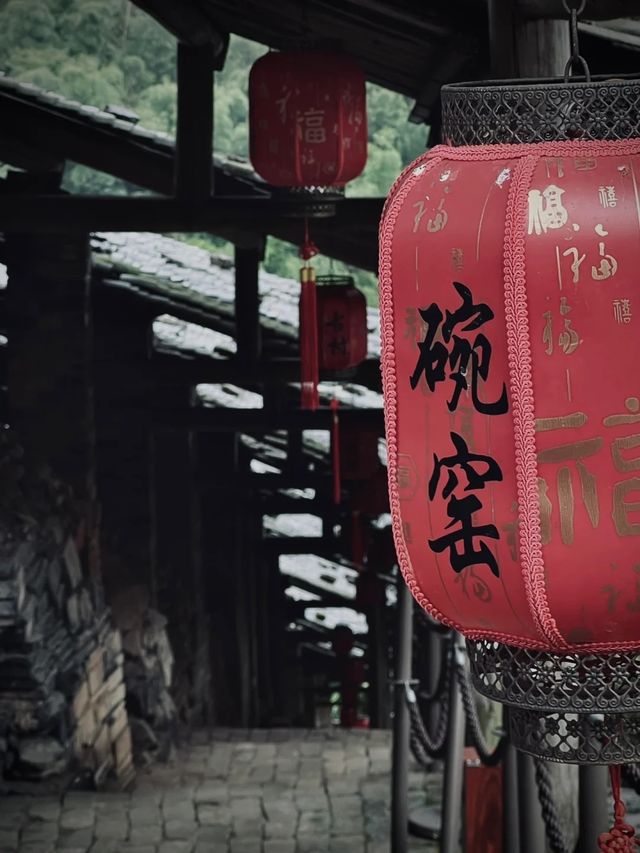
(576, 738)
(572, 708)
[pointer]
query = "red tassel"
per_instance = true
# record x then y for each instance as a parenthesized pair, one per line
(335, 452)
(309, 398)
(621, 837)
(308, 339)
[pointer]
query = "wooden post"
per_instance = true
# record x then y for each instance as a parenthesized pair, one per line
(178, 567)
(247, 303)
(502, 38)
(194, 131)
(49, 330)
(230, 565)
(123, 390)
(542, 48)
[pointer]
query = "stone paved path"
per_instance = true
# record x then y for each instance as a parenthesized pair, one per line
(232, 791)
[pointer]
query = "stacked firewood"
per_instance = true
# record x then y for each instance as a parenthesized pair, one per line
(148, 672)
(62, 693)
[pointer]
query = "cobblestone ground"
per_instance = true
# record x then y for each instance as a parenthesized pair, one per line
(232, 791)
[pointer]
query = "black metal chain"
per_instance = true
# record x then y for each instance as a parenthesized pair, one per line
(432, 747)
(553, 826)
(576, 61)
(490, 758)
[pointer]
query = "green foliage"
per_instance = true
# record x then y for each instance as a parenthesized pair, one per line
(102, 52)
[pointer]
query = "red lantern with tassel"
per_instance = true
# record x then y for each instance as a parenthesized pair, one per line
(307, 119)
(508, 293)
(342, 323)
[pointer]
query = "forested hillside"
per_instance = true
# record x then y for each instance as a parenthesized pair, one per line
(108, 52)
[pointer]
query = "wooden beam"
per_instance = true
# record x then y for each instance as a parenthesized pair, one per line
(501, 39)
(50, 214)
(175, 368)
(261, 420)
(188, 23)
(194, 128)
(601, 10)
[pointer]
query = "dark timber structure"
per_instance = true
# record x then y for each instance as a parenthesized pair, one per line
(170, 491)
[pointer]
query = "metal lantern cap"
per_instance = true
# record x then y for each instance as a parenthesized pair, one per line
(525, 111)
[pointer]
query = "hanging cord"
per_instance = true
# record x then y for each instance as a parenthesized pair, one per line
(552, 823)
(576, 61)
(488, 757)
(621, 837)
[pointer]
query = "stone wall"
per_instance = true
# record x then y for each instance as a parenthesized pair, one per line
(62, 694)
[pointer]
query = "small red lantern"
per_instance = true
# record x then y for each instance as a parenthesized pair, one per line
(333, 326)
(307, 119)
(341, 312)
(359, 455)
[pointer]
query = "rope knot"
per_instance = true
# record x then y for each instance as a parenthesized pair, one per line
(621, 838)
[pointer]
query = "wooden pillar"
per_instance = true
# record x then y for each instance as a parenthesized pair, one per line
(524, 46)
(49, 330)
(247, 303)
(178, 562)
(194, 131)
(229, 588)
(542, 48)
(123, 394)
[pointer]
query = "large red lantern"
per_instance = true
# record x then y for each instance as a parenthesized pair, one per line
(508, 276)
(307, 119)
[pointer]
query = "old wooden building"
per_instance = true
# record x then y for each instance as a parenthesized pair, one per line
(173, 552)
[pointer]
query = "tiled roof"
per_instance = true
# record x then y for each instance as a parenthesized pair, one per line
(182, 269)
(111, 121)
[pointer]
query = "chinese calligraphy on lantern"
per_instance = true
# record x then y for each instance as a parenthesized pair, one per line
(622, 311)
(607, 196)
(455, 356)
(568, 339)
(575, 461)
(546, 209)
(476, 470)
(336, 338)
(454, 352)
(312, 126)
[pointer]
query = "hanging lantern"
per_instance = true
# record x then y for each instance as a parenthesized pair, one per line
(508, 277)
(333, 325)
(307, 119)
(359, 454)
(342, 323)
